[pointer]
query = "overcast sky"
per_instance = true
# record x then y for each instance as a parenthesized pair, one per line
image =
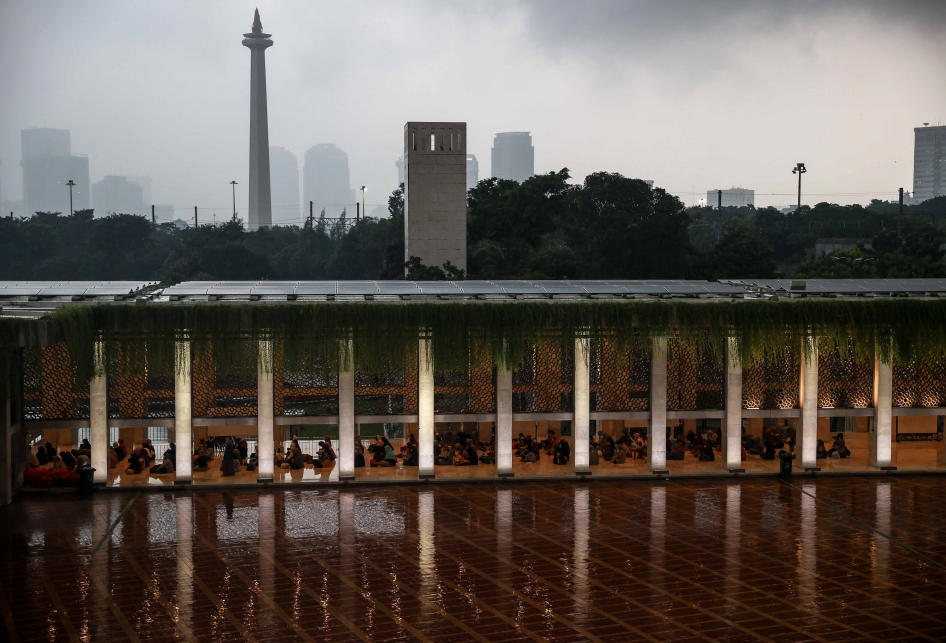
(694, 95)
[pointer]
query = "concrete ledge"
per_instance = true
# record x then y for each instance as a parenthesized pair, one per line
(812, 469)
(346, 478)
(506, 475)
(583, 473)
(888, 468)
(737, 471)
(264, 480)
(426, 476)
(661, 472)
(183, 483)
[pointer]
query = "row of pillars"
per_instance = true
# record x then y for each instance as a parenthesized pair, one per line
(806, 438)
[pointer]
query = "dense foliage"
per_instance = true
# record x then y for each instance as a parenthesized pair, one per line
(608, 227)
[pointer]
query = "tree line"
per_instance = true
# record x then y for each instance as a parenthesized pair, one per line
(607, 227)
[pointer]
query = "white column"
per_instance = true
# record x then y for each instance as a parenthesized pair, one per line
(582, 406)
(503, 422)
(732, 428)
(425, 409)
(182, 412)
(346, 413)
(881, 435)
(265, 445)
(98, 416)
(658, 406)
(806, 438)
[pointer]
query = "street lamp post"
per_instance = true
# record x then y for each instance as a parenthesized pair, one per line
(363, 190)
(233, 184)
(799, 170)
(71, 185)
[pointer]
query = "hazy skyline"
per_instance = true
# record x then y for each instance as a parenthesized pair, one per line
(694, 95)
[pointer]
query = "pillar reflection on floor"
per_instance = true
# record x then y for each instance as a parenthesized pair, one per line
(266, 508)
(733, 537)
(658, 521)
(426, 558)
(185, 558)
(881, 549)
(807, 548)
(580, 553)
(503, 519)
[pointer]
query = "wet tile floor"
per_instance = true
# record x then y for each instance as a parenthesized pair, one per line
(842, 559)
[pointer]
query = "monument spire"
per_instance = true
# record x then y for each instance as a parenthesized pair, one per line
(261, 209)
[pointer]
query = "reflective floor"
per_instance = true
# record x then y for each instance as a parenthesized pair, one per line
(685, 560)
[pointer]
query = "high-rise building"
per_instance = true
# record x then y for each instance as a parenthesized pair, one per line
(48, 164)
(434, 193)
(326, 180)
(472, 171)
(400, 169)
(260, 208)
(284, 179)
(118, 195)
(145, 183)
(929, 161)
(513, 156)
(733, 197)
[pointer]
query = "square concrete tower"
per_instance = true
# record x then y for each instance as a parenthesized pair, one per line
(435, 193)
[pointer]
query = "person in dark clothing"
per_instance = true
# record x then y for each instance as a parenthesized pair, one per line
(675, 451)
(359, 456)
(411, 455)
(134, 464)
(706, 454)
(769, 450)
(86, 444)
(41, 456)
(563, 452)
(821, 453)
(69, 460)
(471, 454)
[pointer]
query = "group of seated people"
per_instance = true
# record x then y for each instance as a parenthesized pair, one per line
(605, 447)
(143, 458)
(72, 459)
(295, 459)
(529, 450)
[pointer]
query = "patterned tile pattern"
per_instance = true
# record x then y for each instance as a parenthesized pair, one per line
(682, 561)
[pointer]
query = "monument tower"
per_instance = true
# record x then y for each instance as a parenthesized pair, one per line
(261, 207)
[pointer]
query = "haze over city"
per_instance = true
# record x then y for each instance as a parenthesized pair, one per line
(694, 97)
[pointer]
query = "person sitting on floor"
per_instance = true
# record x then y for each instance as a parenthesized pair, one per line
(244, 449)
(86, 444)
(620, 455)
(706, 454)
(444, 457)
(406, 447)
(527, 454)
(119, 454)
(295, 461)
(563, 452)
(550, 443)
(31, 460)
(411, 455)
(676, 451)
(112, 459)
(68, 459)
(134, 464)
(123, 453)
(625, 438)
(839, 448)
(390, 458)
(609, 448)
(329, 451)
(41, 456)
(200, 464)
(638, 447)
(821, 452)
(472, 455)
(57, 462)
(359, 455)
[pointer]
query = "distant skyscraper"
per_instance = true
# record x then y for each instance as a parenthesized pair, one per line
(118, 195)
(400, 170)
(145, 183)
(326, 181)
(513, 156)
(929, 161)
(48, 164)
(284, 174)
(261, 209)
(472, 171)
(733, 197)
(434, 194)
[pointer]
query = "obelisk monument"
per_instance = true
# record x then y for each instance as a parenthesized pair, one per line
(261, 206)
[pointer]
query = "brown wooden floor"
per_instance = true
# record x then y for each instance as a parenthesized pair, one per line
(688, 560)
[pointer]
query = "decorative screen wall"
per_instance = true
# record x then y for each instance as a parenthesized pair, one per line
(469, 391)
(223, 394)
(620, 380)
(772, 383)
(694, 378)
(545, 382)
(919, 385)
(312, 390)
(844, 383)
(390, 392)
(49, 386)
(139, 396)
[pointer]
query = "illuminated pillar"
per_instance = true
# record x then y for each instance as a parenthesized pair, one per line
(582, 406)
(425, 408)
(881, 435)
(182, 412)
(98, 417)
(503, 422)
(265, 445)
(346, 412)
(658, 406)
(732, 428)
(806, 438)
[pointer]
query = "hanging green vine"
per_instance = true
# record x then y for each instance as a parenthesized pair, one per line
(382, 333)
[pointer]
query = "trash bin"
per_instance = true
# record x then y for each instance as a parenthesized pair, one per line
(86, 476)
(785, 465)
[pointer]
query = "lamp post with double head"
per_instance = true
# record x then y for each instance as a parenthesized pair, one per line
(71, 185)
(799, 170)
